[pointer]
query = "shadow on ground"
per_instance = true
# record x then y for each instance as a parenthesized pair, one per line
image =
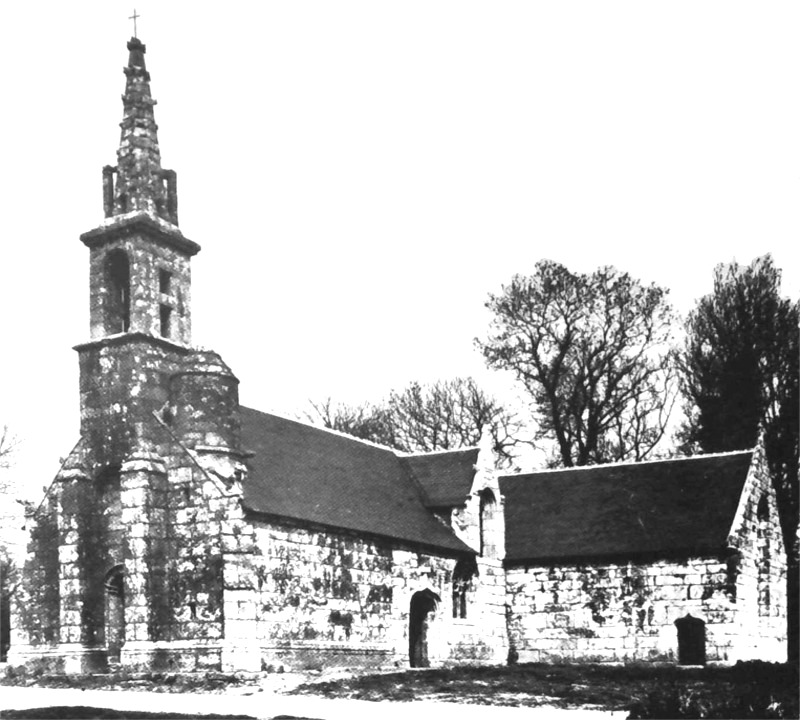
(745, 690)
(80, 712)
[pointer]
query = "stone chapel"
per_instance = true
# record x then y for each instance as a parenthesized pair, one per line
(185, 532)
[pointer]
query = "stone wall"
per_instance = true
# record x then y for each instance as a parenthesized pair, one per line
(758, 557)
(76, 537)
(313, 597)
(618, 612)
(174, 582)
(626, 611)
(123, 381)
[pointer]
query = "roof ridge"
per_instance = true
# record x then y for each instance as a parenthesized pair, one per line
(403, 454)
(682, 458)
(311, 474)
(323, 429)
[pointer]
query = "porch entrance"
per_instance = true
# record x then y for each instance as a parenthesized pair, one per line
(423, 605)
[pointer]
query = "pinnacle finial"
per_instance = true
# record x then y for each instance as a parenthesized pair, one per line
(136, 51)
(142, 185)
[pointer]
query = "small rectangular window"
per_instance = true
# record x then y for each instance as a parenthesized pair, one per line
(164, 281)
(166, 318)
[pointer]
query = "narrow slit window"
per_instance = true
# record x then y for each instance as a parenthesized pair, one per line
(164, 282)
(166, 320)
(763, 557)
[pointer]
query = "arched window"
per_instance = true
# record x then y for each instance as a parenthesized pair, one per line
(115, 612)
(463, 583)
(488, 508)
(118, 286)
(114, 581)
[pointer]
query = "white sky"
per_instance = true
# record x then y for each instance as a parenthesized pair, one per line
(361, 175)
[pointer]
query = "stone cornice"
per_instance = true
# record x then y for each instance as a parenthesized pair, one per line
(133, 337)
(122, 226)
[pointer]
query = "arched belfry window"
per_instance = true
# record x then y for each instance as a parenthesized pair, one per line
(118, 288)
(488, 510)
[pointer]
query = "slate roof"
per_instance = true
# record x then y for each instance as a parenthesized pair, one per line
(444, 477)
(667, 508)
(309, 474)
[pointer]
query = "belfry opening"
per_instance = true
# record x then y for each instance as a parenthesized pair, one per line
(118, 282)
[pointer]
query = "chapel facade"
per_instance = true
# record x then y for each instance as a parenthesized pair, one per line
(185, 532)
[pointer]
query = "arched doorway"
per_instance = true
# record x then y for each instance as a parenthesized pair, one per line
(691, 640)
(115, 612)
(423, 605)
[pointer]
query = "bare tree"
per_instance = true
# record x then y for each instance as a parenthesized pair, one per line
(8, 573)
(8, 446)
(445, 415)
(365, 421)
(450, 414)
(593, 352)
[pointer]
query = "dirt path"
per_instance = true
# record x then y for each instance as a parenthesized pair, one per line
(265, 705)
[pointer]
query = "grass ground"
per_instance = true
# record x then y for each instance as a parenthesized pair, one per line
(154, 682)
(747, 690)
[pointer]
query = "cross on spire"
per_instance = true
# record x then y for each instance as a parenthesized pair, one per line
(134, 18)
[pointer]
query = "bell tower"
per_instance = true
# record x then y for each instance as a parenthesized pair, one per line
(139, 284)
(159, 439)
(139, 272)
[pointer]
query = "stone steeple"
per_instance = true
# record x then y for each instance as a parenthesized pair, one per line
(139, 274)
(141, 185)
(140, 354)
(159, 422)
